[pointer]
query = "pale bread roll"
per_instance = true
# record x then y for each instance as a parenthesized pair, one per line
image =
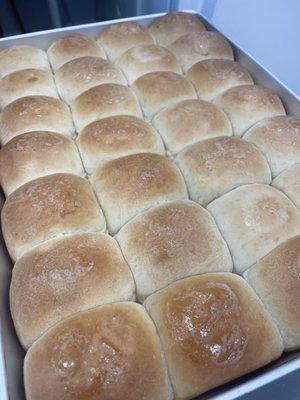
(190, 121)
(64, 276)
(72, 46)
(275, 279)
(289, 183)
(81, 74)
(157, 90)
(35, 113)
(194, 47)
(130, 185)
(170, 242)
(171, 26)
(140, 60)
(104, 101)
(279, 139)
(120, 37)
(35, 154)
(212, 77)
(213, 329)
(48, 208)
(215, 166)
(19, 57)
(27, 82)
(117, 136)
(253, 220)
(110, 352)
(248, 104)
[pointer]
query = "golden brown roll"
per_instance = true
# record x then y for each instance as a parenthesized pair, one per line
(253, 220)
(190, 121)
(114, 137)
(212, 77)
(64, 276)
(35, 113)
(72, 46)
(110, 352)
(170, 242)
(275, 278)
(171, 26)
(118, 38)
(81, 74)
(213, 329)
(35, 154)
(289, 183)
(48, 208)
(129, 185)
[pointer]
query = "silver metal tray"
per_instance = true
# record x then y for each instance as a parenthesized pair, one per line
(11, 353)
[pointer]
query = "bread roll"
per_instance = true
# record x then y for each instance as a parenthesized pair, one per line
(65, 276)
(253, 220)
(247, 104)
(190, 121)
(279, 139)
(72, 46)
(275, 278)
(110, 352)
(35, 154)
(132, 184)
(213, 329)
(117, 38)
(157, 90)
(140, 60)
(215, 166)
(47, 208)
(81, 74)
(289, 183)
(19, 57)
(114, 137)
(171, 26)
(103, 101)
(35, 113)
(27, 82)
(194, 47)
(170, 242)
(212, 77)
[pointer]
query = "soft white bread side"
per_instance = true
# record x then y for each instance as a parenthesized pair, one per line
(65, 276)
(215, 166)
(253, 220)
(157, 90)
(190, 121)
(279, 139)
(117, 136)
(130, 185)
(275, 279)
(289, 183)
(19, 57)
(194, 47)
(120, 37)
(248, 104)
(27, 82)
(35, 113)
(140, 60)
(35, 154)
(170, 242)
(103, 101)
(72, 46)
(171, 26)
(81, 74)
(47, 208)
(212, 77)
(109, 352)
(213, 329)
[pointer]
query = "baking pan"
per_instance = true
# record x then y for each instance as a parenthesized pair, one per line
(11, 353)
